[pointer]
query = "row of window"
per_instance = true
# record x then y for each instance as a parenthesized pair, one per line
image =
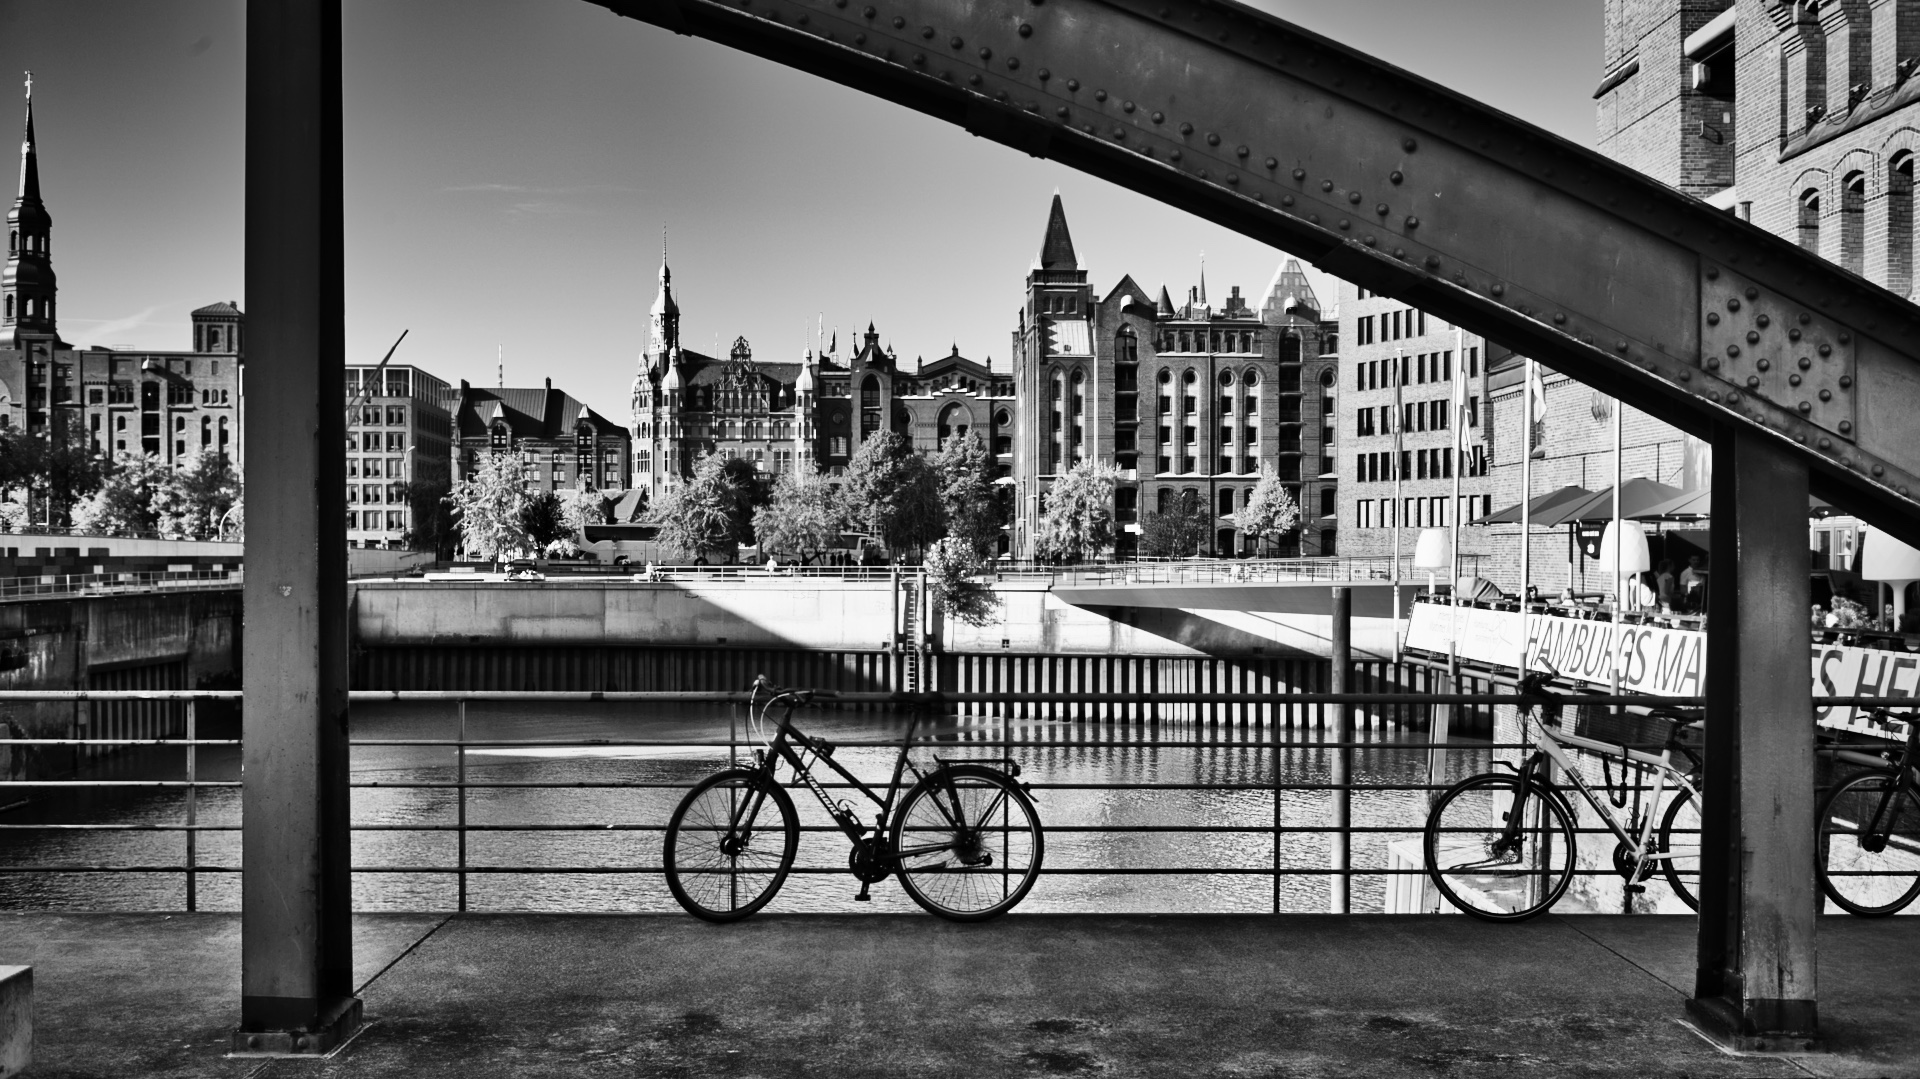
(1390, 326)
(374, 468)
(29, 305)
(1418, 369)
(1434, 415)
(1212, 340)
(378, 520)
(373, 494)
(1426, 512)
(1428, 464)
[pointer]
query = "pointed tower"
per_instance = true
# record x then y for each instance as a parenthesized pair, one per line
(1056, 250)
(656, 385)
(27, 284)
(1053, 359)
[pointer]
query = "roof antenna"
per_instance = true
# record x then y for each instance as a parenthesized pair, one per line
(500, 360)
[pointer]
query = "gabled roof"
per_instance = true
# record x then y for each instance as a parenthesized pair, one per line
(539, 413)
(953, 362)
(229, 308)
(1128, 289)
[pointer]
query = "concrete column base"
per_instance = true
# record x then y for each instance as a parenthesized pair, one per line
(1767, 1026)
(334, 1028)
(16, 1020)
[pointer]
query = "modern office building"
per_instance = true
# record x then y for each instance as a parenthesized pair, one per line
(399, 433)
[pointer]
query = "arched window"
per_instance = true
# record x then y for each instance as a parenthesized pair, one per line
(870, 392)
(1900, 224)
(1290, 349)
(1163, 501)
(953, 423)
(1853, 222)
(1126, 347)
(9, 307)
(1810, 220)
(13, 242)
(213, 339)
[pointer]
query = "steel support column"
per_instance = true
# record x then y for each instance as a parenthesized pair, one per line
(296, 934)
(1340, 896)
(1754, 987)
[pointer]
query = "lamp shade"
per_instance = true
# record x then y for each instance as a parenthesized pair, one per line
(1434, 550)
(1887, 559)
(1634, 556)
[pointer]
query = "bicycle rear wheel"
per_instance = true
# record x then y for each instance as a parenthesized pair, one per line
(1483, 871)
(969, 843)
(730, 844)
(1870, 869)
(1680, 840)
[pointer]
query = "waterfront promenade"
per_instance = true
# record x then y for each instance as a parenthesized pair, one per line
(478, 996)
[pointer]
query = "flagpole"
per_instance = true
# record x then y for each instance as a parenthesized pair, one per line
(1459, 432)
(1526, 513)
(1399, 507)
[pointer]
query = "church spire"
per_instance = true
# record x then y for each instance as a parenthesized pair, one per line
(663, 330)
(1056, 251)
(27, 282)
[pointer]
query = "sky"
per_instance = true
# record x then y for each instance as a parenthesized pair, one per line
(511, 166)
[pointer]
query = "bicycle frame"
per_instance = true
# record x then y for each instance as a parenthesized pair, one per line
(1903, 773)
(1549, 746)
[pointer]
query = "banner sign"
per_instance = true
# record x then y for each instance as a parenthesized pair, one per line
(1656, 660)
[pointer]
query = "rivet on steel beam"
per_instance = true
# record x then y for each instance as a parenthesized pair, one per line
(1013, 63)
(1826, 443)
(1764, 364)
(1380, 209)
(1213, 139)
(1805, 318)
(1186, 128)
(1793, 380)
(1272, 163)
(1233, 177)
(1762, 321)
(1063, 112)
(840, 3)
(1395, 176)
(1241, 151)
(1733, 350)
(1559, 318)
(974, 80)
(1088, 128)
(1713, 395)
(1413, 222)
(1299, 174)
(1753, 380)
(1686, 376)
(1713, 272)
(955, 42)
(1713, 363)
(1806, 407)
(1202, 174)
(801, 19)
(1073, 84)
(927, 32)
(1499, 290)
(1119, 132)
(1752, 293)
(1801, 438)
(1846, 381)
(1845, 337)
(898, 22)
(1174, 156)
(1826, 395)
(919, 58)
(1733, 398)
(1326, 185)
(986, 54)
(1620, 345)
(1879, 470)
(1126, 106)
(1099, 95)
(1753, 337)
(1713, 318)
(1826, 350)
(1433, 262)
(1286, 200)
(1044, 74)
(1314, 218)
(1368, 239)
(1733, 304)
(1353, 197)
(1345, 224)
(859, 39)
(1026, 29)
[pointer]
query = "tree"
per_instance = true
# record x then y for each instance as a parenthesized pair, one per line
(894, 493)
(953, 570)
(196, 493)
(804, 517)
(707, 514)
(124, 504)
(1176, 534)
(543, 520)
(968, 496)
(56, 471)
(432, 525)
(487, 505)
(1078, 522)
(1270, 511)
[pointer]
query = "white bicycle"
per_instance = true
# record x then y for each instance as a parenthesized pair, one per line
(1502, 846)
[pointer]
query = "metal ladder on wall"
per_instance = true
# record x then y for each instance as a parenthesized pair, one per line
(910, 651)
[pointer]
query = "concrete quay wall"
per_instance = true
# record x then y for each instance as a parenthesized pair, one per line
(823, 615)
(163, 640)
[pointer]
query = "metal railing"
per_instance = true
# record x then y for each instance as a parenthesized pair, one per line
(1366, 569)
(1133, 721)
(111, 583)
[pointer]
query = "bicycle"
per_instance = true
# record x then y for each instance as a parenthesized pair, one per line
(1503, 847)
(966, 842)
(1869, 856)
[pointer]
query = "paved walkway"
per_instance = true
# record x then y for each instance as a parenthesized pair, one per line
(477, 996)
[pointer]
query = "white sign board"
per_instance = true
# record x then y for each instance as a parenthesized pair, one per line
(1656, 660)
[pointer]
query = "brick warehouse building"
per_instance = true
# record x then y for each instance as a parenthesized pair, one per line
(1189, 398)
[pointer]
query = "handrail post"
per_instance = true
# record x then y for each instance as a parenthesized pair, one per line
(193, 792)
(1341, 882)
(460, 803)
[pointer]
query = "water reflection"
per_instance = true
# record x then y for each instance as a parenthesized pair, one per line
(612, 833)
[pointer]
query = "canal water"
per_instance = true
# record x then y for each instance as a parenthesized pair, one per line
(1222, 784)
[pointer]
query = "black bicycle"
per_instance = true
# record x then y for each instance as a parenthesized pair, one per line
(966, 841)
(1869, 859)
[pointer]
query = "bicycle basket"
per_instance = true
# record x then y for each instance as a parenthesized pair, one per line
(1622, 727)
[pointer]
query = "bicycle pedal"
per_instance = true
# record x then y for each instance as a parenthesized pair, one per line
(1636, 889)
(863, 897)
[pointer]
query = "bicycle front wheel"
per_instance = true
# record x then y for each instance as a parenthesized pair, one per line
(1869, 857)
(1680, 842)
(968, 842)
(1488, 870)
(730, 844)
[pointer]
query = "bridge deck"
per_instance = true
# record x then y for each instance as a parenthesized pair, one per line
(475, 996)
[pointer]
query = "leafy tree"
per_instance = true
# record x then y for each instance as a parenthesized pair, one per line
(953, 570)
(894, 493)
(56, 472)
(754, 490)
(488, 505)
(1078, 522)
(1270, 511)
(201, 488)
(804, 517)
(433, 528)
(1179, 533)
(543, 520)
(125, 503)
(968, 496)
(707, 514)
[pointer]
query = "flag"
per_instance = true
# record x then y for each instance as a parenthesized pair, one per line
(1460, 381)
(1538, 389)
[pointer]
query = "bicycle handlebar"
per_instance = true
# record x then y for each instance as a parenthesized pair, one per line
(800, 696)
